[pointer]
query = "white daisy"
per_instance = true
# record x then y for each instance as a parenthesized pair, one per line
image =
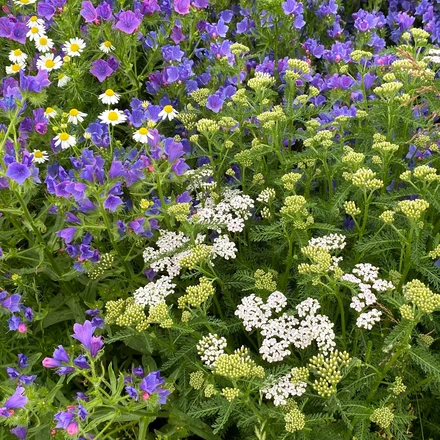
(142, 135)
(76, 116)
(34, 20)
(65, 140)
(49, 62)
(36, 32)
(74, 47)
(109, 97)
(63, 79)
(40, 156)
(14, 68)
(44, 44)
(106, 47)
(17, 56)
(113, 117)
(50, 113)
(168, 112)
(24, 2)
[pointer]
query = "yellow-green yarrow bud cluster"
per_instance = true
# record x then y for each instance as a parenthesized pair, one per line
(186, 316)
(385, 147)
(387, 216)
(294, 205)
(420, 35)
(389, 77)
(435, 253)
(413, 209)
(180, 211)
(105, 263)
(323, 138)
(188, 120)
(422, 141)
(290, 180)
(229, 144)
(329, 371)
(364, 178)
(237, 365)
(275, 115)
(377, 160)
(352, 158)
(239, 49)
(227, 123)
(357, 55)
(426, 339)
(351, 208)
(320, 257)
(295, 420)
(388, 90)
(133, 314)
(240, 97)
(196, 380)
(200, 96)
(406, 312)
(210, 390)
(313, 91)
(197, 295)
(299, 375)
(207, 126)
(398, 386)
(382, 417)
(198, 255)
(299, 65)
(114, 309)
(159, 314)
(245, 158)
(421, 296)
(194, 137)
(261, 81)
(264, 280)
(267, 195)
(230, 393)
(426, 173)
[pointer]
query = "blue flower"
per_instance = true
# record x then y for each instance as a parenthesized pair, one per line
(18, 172)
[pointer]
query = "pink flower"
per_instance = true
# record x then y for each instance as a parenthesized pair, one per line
(181, 6)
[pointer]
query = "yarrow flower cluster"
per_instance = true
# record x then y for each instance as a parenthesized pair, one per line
(281, 332)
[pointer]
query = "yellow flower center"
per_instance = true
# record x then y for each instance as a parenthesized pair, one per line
(49, 110)
(145, 204)
(61, 76)
(109, 92)
(33, 19)
(25, 2)
(15, 67)
(49, 64)
(143, 130)
(74, 47)
(108, 44)
(35, 30)
(43, 41)
(113, 116)
(17, 52)
(73, 112)
(64, 136)
(168, 109)
(38, 154)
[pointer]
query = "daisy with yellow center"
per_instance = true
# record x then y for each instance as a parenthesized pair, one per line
(44, 44)
(49, 62)
(76, 116)
(145, 204)
(142, 135)
(112, 117)
(50, 113)
(17, 56)
(40, 156)
(74, 47)
(63, 79)
(34, 20)
(106, 47)
(24, 2)
(36, 32)
(65, 140)
(14, 68)
(109, 97)
(168, 112)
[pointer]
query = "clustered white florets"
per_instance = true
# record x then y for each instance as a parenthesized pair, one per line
(283, 388)
(210, 348)
(281, 332)
(366, 277)
(225, 248)
(329, 242)
(230, 213)
(155, 292)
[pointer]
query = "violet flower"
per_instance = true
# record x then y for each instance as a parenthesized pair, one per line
(84, 334)
(128, 22)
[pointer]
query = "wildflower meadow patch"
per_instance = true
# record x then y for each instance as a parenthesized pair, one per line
(219, 220)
